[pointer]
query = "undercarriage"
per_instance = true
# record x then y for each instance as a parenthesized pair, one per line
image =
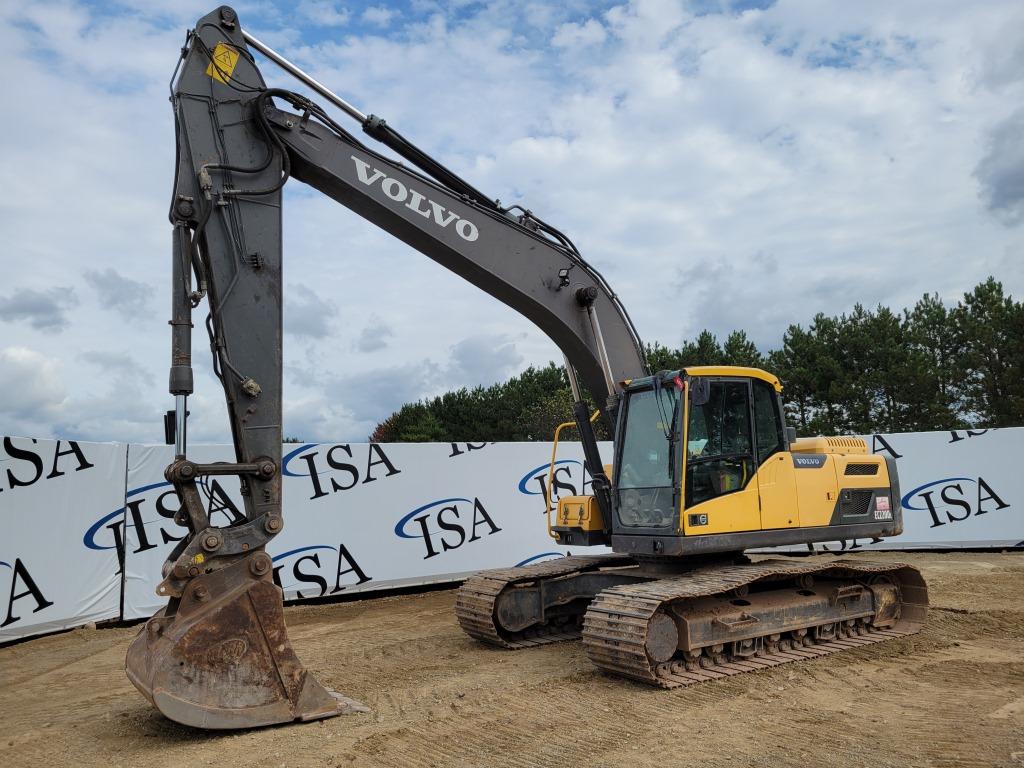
(673, 623)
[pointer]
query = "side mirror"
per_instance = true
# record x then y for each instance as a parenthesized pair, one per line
(790, 435)
(700, 390)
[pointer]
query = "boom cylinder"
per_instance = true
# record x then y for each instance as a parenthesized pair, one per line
(574, 383)
(602, 351)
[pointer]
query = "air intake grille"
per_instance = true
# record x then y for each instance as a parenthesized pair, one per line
(847, 444)
(855, 503)
(861, 469)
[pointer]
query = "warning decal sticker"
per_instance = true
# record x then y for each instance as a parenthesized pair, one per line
(225, 57)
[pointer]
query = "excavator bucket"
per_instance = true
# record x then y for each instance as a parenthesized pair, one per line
(219, 657)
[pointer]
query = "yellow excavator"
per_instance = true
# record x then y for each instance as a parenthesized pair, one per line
(703, 468)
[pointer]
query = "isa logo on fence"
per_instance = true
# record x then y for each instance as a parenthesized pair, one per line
(147, 519)
(340, 468)
(21, 590)
(443, 525)
(570, 478)
(954, 499)
(317, 565)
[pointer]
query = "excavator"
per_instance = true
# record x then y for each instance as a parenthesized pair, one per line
(704, 466)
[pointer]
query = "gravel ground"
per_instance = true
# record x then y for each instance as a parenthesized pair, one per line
(951, 696)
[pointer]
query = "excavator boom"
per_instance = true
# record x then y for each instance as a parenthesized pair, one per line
(218, 656)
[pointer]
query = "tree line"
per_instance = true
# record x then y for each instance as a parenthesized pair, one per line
(930, 367)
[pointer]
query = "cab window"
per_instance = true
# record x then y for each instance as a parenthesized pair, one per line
(719, 448)
(646, 442)
(767, 421)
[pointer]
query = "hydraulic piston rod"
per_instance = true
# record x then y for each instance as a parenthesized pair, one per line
(378, 128)
(180, 382)
(312, 82)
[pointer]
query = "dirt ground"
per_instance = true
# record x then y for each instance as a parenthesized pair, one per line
(951, 696)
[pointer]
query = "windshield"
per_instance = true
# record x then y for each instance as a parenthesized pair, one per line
(646, 452)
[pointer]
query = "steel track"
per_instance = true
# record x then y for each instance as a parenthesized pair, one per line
(476, 600)
(616, 623)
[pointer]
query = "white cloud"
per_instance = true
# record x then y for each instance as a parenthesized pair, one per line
(378, 15)
(1001, 170)
(44, 310)
(307, 314)
(324, 12)
(32, 384)
(120, 293)
(374, 336)
(738, 169)
(572, 35)
(484, 359)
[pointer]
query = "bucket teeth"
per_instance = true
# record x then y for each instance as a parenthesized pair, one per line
(224, 661)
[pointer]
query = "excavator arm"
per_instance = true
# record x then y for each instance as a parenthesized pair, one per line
(218, 655)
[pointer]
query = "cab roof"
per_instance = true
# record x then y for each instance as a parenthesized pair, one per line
(734, 370)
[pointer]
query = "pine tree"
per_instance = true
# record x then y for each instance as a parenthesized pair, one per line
(928, 367)
(991, 336)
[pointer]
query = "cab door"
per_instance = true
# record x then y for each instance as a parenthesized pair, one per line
(720, 489)
(776, 478)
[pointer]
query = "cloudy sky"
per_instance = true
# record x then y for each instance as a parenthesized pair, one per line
(726, 163)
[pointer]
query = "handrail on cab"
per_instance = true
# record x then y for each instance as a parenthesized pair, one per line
(551, 468)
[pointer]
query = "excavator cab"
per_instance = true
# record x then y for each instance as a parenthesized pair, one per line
(705, 463)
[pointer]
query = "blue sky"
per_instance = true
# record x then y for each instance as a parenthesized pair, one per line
(725, 164)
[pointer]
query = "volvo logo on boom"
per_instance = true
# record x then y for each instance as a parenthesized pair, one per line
(415, 201)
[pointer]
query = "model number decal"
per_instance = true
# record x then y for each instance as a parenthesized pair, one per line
(882, 509)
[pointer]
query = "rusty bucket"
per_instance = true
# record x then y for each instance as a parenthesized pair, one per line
(218, 657)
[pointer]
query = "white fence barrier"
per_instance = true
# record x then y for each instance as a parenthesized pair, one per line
(53, 496)
(360, 517)
(88, 525)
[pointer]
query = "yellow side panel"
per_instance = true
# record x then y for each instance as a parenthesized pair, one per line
(816, 492)
(878, 480)
(579, 512)
(732, 512)
(777, 483)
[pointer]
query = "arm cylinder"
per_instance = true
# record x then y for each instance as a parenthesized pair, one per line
(180, 382)
(293, 70)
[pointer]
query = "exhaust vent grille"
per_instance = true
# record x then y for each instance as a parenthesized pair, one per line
(861, 469)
